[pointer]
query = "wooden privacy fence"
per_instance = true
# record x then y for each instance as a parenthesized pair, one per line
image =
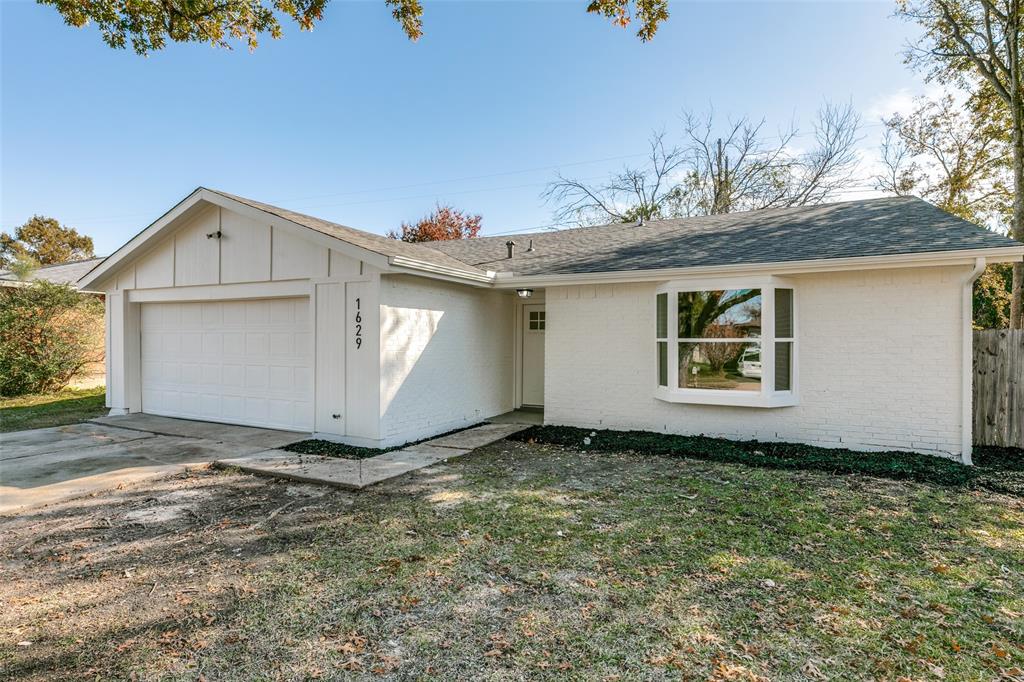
(999, 387)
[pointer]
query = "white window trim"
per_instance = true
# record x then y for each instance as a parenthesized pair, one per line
(767, 396)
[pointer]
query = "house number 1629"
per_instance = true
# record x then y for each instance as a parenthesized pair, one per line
(359, 325)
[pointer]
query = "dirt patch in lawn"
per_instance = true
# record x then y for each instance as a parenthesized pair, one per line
(520, 561)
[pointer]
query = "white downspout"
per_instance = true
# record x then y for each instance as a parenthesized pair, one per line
(967, 361)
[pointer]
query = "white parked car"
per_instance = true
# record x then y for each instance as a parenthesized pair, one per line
(750, 363)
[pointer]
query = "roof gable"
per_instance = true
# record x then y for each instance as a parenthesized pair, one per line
(371, 248)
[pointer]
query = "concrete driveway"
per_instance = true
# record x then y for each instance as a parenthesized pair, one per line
(43, 466)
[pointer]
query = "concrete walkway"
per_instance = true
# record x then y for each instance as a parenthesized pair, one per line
(359, 473)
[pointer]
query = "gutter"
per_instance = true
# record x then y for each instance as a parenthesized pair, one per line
(967, 361)
(510, 280)
(448, 271)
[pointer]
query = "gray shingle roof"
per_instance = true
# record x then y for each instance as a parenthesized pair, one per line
(61, 273)
(869, 227)
(366, 240)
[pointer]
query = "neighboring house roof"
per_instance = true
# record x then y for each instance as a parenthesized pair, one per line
(60, 273)
(851, 229)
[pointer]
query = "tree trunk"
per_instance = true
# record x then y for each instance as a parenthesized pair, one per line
(1017, 224)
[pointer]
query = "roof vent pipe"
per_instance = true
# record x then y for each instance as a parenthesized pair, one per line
(529, 249)
(511, 246)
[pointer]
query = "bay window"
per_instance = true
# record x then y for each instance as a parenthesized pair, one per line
(726, 342)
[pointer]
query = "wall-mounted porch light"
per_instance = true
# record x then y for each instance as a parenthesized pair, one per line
(524, 293)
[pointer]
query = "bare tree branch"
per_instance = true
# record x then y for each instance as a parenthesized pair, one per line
(718, 171)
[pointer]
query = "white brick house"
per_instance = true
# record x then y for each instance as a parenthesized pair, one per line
(842, 325)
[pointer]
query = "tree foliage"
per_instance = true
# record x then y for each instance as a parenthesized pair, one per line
(718, 169)
(992, 293)
(978, 44)
(956, 155)
(443, 223)
(45, 241)
(953, 155)
(697, 317)
(718, 355)
(648, 13)
(148, 25)
(23, 267)
(48, 333)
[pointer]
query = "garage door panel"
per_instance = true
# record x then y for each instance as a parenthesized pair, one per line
(213, 315)
(171, 343)
(233, 344)
(243, 362)
(213, 344)
(282, 343)
(281, 313)
(191, 315)
(304, 380)
(304, 345)
(256, 312)
(256, 376)
(233, 376)
(233, 407)
(233, 313)
(256, 344)
(210, 404)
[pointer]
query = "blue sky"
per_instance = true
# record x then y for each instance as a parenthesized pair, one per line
(354, 123)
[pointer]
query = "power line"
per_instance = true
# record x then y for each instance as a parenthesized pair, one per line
(465, 179)
(435, 194)
(117, 218)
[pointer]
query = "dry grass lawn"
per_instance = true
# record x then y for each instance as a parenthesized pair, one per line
(68, 406)
(520, 561)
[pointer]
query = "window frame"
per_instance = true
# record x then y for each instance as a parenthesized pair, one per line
(767, 396)
(536, 321)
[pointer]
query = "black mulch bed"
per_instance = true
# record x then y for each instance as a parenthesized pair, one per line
(1000, 470)
(328, 448)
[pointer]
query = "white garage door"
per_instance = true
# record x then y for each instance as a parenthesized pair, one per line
(240, 362)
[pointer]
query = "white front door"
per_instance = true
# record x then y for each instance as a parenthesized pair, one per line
(240, 362)
(534, 324)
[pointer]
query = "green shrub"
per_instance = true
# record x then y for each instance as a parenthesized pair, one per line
(48, 333)
(998, 469)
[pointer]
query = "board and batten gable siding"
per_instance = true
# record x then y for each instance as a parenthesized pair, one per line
(248, 251)
(446, 356)
(879, 364)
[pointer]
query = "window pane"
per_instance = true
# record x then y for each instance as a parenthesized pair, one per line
(663, 363)
(720, 365)
(784, 313)
(783, 365)
(662, 305)
(734, 313)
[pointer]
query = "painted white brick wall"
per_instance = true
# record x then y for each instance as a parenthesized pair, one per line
(446, 356)
(879, 364)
